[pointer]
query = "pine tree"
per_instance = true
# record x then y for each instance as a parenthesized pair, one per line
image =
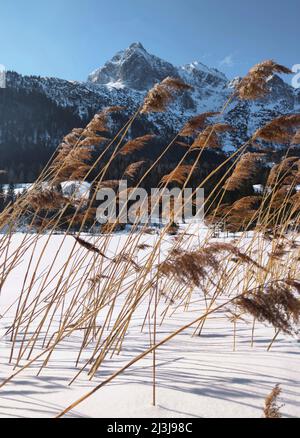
(10, 195)
(2, 198)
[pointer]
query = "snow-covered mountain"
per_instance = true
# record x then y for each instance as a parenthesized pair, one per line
(133, 68)
(37, 111)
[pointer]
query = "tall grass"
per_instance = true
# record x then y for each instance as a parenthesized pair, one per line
(96, 293)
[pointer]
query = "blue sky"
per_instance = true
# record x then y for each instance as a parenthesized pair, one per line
(70, 38)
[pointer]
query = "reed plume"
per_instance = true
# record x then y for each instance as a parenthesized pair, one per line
(110, 227)
(191, 267)
(79, 217)
(136, 144)
(100, 120)
(242, 213)
(46, 199)
(255, 84)
(162, 94)
(97, 278)
(246, 168)
(75, 151)
(89, 246)
(70, 162)
(143, 246)
(288, 167)
(280, 130)
(6, 216)
(247, 203)
(188, 267)
(177, 175)
(221, 247)
(126, 258)
(93, 140)
(276, 304)
(295, 201)
(195, 124)
(109, 184)
(133, 168)
(210, 136)
(272, 409)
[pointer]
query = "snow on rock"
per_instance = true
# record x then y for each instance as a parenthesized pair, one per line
(18, 188)
(258, 188)
(134, 67)
(76, 189)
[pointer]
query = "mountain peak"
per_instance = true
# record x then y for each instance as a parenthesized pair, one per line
(134, 68)
(199, 69)
(137, 45)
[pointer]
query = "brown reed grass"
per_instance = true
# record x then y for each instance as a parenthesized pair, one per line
(162, 94)
(95, 285)
(280, 130)
(133, 169)
(210, 137)
(178, 175)
(246, 168)
(196, 124)
(255, 84)
(276, 304)
(271, 408)
(136, 144)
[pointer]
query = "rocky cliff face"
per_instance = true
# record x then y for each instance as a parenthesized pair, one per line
(35, 112)
(133, 68)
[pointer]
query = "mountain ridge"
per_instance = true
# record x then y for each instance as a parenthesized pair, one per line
(54, 105)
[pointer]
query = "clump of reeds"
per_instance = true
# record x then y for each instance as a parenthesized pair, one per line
(46, 199)
(96, 286)
(288, 168)
(255, 84)
(191, 267)
(272, 409)
(74, 156)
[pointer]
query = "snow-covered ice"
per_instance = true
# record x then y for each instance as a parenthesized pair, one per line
(196, 376)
